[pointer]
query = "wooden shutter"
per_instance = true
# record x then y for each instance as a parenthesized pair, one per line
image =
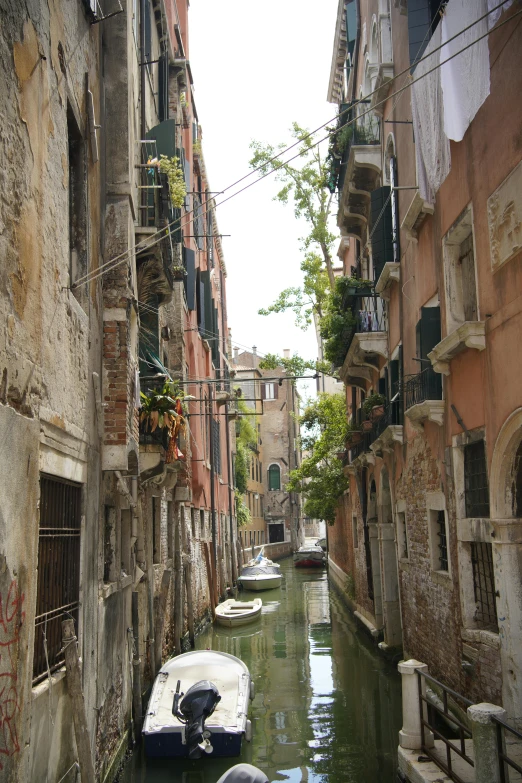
(276, 390)
(351, 26)
(163, 87)
(147, 54)
(263, 391)
(207, 303)
(419, 21)
(429, 330)
(381, 229)
(190, 279)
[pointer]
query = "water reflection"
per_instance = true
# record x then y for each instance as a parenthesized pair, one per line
(326, 708)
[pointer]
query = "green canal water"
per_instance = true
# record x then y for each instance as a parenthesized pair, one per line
(327, 706)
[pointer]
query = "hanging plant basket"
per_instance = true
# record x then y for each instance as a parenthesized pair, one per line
(354, 438)
(178, 272)
(377, 412)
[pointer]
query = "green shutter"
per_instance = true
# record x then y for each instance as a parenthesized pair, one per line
(351, 26)
(381, 229)
(207, 304)
(165, 136)
(190, 279)
(419, 22)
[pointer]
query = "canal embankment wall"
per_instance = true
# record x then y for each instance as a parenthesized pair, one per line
(276, 551)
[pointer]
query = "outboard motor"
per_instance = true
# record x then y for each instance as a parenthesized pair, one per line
(243, 773)
(197, 704)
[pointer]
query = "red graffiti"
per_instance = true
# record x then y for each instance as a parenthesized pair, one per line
(12, 617)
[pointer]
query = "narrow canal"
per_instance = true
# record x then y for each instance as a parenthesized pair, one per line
(327, 705)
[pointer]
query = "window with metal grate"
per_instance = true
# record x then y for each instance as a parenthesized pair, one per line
(476, 480)
(484, 586)
(58, 588)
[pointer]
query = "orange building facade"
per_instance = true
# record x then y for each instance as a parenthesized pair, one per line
(429, 178)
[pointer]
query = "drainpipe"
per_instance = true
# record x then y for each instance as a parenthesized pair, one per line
(212, 468)
(230, 502)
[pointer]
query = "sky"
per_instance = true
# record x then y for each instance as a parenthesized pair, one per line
(258, 67)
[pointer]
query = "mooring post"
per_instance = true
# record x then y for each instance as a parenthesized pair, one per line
(485, 745)
(74, 688)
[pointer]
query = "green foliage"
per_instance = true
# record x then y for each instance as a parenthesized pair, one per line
(371, 401)
(242, 465)
(174, 172)
(305, 300)
(338, 323)
(246, 439)
(324, 428)
(349, 586)
(158, 406)
(306, 184)
(242, 513)
(294, 365)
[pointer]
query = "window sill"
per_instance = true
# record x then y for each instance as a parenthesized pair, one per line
(442, 578)
(43, 686)
(470, 334)
(429, 410)
(475, 635)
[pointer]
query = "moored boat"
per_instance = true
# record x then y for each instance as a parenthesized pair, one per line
(309, 556)
(260, 574)
(234, 613)
(210, 717)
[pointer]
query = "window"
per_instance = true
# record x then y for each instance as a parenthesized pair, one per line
(109, 544)
(217, 446)
(156, 530)
(274, 478)
(170, 530)
(58, 588)
(484, 586)
(402, 535)
(193, 522)
(423, 18)
(269, 391)
(202, 521)
(125, 542)
(476, 480)
(439, 540)
(459, 272)
(77, 200)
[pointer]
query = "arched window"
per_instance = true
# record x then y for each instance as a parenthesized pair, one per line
(274, 477)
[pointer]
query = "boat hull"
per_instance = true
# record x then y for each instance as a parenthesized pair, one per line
(170, 745)
(309, 562)
(260, 582)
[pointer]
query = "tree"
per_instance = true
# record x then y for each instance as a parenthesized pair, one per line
(320, 477)
(307, 185)
(246, 439)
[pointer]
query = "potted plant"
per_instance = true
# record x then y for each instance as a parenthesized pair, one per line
(353, 438)
(178, 272)
(341, 455)
(373, 406)
(367, 424)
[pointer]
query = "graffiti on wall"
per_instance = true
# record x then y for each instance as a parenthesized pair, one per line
(11, 619)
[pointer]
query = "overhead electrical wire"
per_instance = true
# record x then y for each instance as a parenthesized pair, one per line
(164, 231)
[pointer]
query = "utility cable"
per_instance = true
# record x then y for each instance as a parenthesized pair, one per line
(164, 231)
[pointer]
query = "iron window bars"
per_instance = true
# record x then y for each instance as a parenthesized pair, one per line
(476, 480)
(58, 590)
(484, 586)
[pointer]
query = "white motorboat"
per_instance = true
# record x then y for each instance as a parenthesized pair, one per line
(260, 574)
(309, 555)
(210, 717)
(234, 613)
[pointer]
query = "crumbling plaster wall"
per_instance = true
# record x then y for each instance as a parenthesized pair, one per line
(49, 342)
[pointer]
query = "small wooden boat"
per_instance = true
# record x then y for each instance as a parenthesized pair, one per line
(210, 717)
(234, 613)
(309, 556)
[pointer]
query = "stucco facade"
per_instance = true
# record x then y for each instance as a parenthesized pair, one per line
(426, 543)
(106, 290)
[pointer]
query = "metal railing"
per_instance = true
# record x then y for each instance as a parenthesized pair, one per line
(457, 746)
(365, 132)
(504, 759)
(425, 385)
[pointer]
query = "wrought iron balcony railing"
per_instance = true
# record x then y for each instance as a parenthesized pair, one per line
(425, 385)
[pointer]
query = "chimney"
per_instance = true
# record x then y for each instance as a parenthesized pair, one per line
(236, 355)
(286, 353)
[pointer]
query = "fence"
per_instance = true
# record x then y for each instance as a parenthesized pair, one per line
(479, 750)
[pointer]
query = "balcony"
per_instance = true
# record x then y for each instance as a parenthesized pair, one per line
(470, 334)
(368, 344)
(423, 398)
(359, 174)
(385, 431)
(391, 273)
